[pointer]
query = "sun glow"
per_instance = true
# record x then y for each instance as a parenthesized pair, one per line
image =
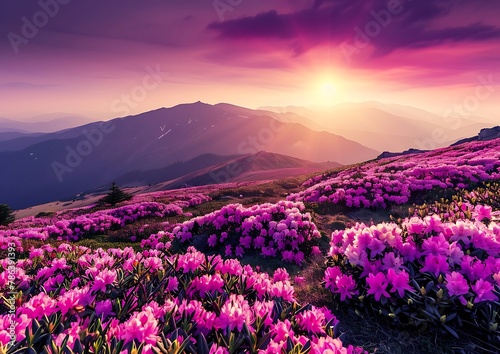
(328, 89)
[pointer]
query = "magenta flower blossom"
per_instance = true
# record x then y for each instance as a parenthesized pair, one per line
(40, 305)
(435, 265)
(346, 287)
(235, 312)
(103, 279)
(436, 245)
(331, 275)
(74, 299)
(281, 274)
(399, 281)
(483, 291)
(215, 349)
(212, 240)
(315, 251)
(104, 308)
(282, 330)
(312, 321)
(456, 284)
(172, 284)
(482, 212)
(142, 326)
(153, 264)
(378, 285)
(239, 251)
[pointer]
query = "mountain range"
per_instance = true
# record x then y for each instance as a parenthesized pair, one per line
(40, 124)
(62, 164)
(198, 143)
(387, 126)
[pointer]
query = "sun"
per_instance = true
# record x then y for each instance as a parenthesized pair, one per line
(328, 89)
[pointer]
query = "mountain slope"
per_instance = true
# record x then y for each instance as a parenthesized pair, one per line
(51, 124)
(50, 167)
(254, 167)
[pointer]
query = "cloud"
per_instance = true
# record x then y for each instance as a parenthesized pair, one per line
(415, 24)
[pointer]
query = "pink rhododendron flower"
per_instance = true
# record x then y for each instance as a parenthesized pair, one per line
(378, 285)
(312, 321)
(456, 284)
(212, 240)
(142, 326)
(435, 265)
(104, 308)
(483, 291)
(103, 279)
(346, 287)
(39, 305)
(482, 212)
(235, 312)
(331, 275)
(399, 281)
(282, 331)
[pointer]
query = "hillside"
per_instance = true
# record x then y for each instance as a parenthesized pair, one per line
(363, 239)
(261, 166)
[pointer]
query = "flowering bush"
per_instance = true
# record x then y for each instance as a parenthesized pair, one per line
(117, 301)
(396, 180)
(483, 203)
(280, 229)
(98, 222)
(422, 272)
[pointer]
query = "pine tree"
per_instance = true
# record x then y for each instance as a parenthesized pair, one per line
(6, 215)
(115, 195)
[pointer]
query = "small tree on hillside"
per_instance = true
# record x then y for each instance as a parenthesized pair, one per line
(6, 215)
(115, 195)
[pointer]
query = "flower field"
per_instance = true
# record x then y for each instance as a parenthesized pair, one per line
(398, 180)
(118, 300)
(180, 281)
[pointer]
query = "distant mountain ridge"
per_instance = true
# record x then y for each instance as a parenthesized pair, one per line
(260, 166)
(43, 126)
(387, 127)
(62, 164)
(484, 135)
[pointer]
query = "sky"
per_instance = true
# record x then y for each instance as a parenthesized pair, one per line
(112, 58)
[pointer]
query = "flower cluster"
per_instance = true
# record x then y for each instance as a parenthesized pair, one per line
(73, 298)
(101, 221)
(424, 270)
(184, 198)
(481, 203)
(275, 230)
(396, 180)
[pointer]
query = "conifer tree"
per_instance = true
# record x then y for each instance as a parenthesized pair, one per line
(115, 195)
(6, 215)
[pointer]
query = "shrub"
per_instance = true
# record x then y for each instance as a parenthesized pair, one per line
(6, 215)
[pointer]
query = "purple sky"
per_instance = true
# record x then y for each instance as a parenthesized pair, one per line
(96, 57)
